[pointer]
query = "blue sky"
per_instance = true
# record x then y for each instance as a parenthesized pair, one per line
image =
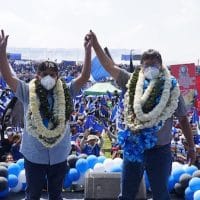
(172, 26)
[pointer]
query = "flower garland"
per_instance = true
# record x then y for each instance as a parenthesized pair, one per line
(51, 135)
(147, 105)
(135, 101)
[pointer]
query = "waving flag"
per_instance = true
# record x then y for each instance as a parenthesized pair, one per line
(195, 117)
(114, 113)
(89, 121)
(97, 71)
(98, 127)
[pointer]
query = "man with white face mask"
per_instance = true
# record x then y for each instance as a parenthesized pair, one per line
(151, 71)
(151, 100)
(47, 102)
(48, 82)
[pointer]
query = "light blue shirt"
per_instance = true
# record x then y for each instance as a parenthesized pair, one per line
(32, 149)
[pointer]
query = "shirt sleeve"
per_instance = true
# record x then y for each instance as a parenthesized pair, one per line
(22, 92)
(181, 109)
(72, 89)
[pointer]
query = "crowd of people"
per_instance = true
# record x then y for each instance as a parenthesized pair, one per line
(140, 120)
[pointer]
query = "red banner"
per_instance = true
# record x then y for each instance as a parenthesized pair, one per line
(198, 84)
(185, 74)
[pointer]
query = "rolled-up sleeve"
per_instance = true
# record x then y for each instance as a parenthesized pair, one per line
(181, 109)
(22, 92)
(72, 89)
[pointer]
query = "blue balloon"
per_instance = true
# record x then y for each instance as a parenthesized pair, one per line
(190, 169)
(101, 159)
(92, 160)
(82, 165)
(73, 174)
(20, 162)
(146, 180)
(23, 186)
(67, 182)
(4, 193)
(197, 195)
(12, 180)
(194, 184)
(116, 168)
(188, 194)
(177, 173)
(171, 183)
(14, 169)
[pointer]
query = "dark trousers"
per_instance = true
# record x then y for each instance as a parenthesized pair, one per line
(157, 162)
(38, 174)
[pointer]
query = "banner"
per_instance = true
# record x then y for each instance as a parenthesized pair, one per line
(186, 76)
(198, 84)
(126, 57)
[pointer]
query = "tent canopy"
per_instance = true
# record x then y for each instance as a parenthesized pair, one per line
(101, 88)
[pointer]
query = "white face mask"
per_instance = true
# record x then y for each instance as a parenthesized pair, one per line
(151, 72)
(48, 82)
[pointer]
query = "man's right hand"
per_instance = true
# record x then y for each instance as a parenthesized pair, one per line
(5, 70)
(3, 43)
(92, 37)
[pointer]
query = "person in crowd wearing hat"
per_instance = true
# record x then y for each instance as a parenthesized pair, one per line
(47, 102)
(152, 98)
(91, 144)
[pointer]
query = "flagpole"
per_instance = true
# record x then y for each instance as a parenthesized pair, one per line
(131, 61)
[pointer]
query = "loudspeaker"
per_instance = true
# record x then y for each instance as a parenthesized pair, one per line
(104, 186)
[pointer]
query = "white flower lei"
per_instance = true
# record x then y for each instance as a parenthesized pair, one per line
(161, 112)
(35, 124)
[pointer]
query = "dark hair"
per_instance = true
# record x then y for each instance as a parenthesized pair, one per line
(47, 64)
(151, 54)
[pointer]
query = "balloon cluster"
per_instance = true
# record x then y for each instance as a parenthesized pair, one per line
(185, 181)
(80, 165)
(12, 177)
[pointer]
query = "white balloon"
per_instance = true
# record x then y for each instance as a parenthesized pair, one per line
(118, 161)
(88, 171)
(176, 165)
(108, 164)
(99, 167)
(17, 188)
(22, 176)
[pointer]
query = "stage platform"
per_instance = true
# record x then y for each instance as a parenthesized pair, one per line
(69, 196)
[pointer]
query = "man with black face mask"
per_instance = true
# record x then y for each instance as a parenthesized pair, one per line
(151, 100)
(47, 102)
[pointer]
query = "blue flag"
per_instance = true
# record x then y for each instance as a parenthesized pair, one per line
(98, 127)
(195, 117)
(89, 121)
(97, 70)
(82, 108)
(114, 113)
